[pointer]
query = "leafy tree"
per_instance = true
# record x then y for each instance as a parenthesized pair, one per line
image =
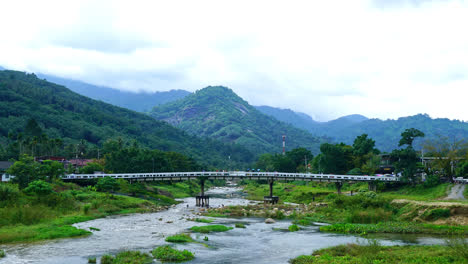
(91, 167)
(336, 158)
(107, 184)
(25, 171)
(447, 152)
(39, 188)
(51, 170)
(462, 169)
(299, 156)
(408, 136)
(32, 128)
(405, 160)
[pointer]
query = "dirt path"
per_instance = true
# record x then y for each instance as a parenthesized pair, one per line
(456, 193)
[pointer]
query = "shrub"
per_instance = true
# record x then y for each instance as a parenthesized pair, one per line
(136, 257)
(107, 184)
(107, 259)
(167, 253)
(91, 260)
(86, 208)
(40, 188)
(435, 214)
(293, 228)
(210, 228)
(180, 238)
(2, 253)
(8, 192)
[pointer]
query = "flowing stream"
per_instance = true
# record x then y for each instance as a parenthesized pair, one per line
(258, 243)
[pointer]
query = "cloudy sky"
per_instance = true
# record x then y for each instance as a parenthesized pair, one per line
(382, 59)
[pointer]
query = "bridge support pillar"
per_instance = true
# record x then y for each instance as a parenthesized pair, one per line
(202, 200)
(271, 199)
(338, 187)
(372, 186)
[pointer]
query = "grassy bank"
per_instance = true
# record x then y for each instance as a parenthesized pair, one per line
(396, 227)
(27, 215)
(419, 192)
(375, 253)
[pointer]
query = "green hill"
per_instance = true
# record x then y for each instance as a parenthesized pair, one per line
(64, 114)
(217, 112)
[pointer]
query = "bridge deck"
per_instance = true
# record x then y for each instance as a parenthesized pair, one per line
(231, 175)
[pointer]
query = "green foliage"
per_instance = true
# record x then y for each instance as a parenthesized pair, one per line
(395, 227)
(107, 184)
(217, 112)
(39, 188)
(458, 246)
(91, 167)
(92, 260)
(8, 193)
(210, 228)
(179, 238)
(2, 253)
(293, 228)
(408, 136)
(167, 253)
(71, 118)
(107, 259)
(239, 225)
(203, 220)
(375, 253)
(134, 257)
(435, 214)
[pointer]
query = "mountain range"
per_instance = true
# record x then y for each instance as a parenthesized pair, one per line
(64, 114)
(140, 102)
(345, 129)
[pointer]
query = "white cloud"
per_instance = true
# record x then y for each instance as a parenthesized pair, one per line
(324, 58)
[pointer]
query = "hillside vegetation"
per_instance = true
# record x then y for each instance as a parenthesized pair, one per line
(217, 112)
(386, 133)
(64, 114)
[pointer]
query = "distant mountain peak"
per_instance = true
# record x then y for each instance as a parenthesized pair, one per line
(355, 118)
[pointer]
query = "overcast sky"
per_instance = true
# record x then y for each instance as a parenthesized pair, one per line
(382, 59)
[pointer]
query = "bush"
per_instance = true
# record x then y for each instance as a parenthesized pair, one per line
(2, 253)
(167, 253)
(126, 257)
(293, 228)
(8, 192)
(107, 184)
(180, 238)
(40, 188)
(210, 228)
(107, 259)
(435, 214)
(91, 260)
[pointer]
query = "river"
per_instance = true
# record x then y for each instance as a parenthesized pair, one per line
(258, 243)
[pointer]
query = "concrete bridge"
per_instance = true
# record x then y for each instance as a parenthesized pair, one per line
(203, 200)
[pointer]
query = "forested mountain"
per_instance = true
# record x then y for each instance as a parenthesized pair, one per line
(71, 117)
(217, 112)
(141, 102)
(386, 133)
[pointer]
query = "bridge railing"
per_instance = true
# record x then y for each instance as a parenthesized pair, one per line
(232, 174)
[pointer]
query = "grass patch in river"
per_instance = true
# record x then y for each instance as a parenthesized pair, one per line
(2, 253)
(293, 228)
(210, 228)
(239, 225)
(179, 238)
(167, 253)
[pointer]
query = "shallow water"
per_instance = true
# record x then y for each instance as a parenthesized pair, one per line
(258, 243)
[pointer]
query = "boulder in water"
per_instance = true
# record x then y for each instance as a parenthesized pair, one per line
(269, 221)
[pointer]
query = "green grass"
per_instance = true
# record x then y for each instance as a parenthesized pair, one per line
(357, 254)
(2, 253)
(132, 257)
(465, 192)
(419, 192)
(22, 233)
(91, 260)
(179, 238)
(295, 192)
(395, 227)
(167, 253)
(239, 225)
(210, 228)
(202, 220)
(293, 228)
(94, 229)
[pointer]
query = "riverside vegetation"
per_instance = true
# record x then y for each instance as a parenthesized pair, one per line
(47, 210)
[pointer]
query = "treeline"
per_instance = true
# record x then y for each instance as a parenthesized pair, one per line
(449, 159)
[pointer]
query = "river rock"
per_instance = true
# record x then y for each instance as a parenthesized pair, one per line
(269, 221)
